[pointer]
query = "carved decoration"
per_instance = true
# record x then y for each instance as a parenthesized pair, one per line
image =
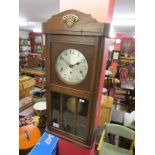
(70, 19)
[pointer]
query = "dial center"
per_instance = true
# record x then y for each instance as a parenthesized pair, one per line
(71, 66)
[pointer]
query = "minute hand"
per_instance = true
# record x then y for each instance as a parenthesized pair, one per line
(78, 63)
(65, 61)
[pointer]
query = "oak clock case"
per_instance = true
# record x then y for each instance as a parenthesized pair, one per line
(75, 45)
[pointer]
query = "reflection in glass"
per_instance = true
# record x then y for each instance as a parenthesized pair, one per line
(55, 109)
(81, 117)
(68, 113)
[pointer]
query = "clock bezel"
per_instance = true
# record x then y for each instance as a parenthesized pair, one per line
(58, 72)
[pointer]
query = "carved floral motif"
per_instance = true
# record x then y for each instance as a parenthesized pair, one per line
(70, 19)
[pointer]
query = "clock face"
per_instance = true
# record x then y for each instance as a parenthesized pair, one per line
(71, 66)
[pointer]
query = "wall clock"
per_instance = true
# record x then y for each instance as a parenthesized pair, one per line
(71, 66)
(74, 57)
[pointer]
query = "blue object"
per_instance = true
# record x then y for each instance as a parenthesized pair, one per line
(47, 145)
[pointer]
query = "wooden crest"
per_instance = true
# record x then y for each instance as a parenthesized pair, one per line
(76, 23)
(70, 19)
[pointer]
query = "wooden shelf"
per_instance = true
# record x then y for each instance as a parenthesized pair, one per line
(128, 58)
(32, 72)
(24, 48)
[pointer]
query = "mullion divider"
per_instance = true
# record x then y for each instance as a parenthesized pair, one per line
(75, 116)
(61, 110)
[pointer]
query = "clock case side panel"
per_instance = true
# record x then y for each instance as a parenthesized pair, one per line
(48, 73)
(92, 130)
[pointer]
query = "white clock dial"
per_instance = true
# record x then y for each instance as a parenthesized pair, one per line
(71, 66)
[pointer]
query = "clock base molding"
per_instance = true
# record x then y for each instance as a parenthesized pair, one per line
(70, 140)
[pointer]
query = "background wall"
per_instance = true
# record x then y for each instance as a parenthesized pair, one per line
(99, 11)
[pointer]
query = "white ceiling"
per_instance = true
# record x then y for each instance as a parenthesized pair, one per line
(38, 10)
(124, 17)
(32, 13)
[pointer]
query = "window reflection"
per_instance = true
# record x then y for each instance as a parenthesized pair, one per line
(68, 113)
(81, 117)
(55, 109)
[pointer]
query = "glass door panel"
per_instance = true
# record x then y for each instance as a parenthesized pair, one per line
(81, 117)
(55, 109)
(68, 113)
